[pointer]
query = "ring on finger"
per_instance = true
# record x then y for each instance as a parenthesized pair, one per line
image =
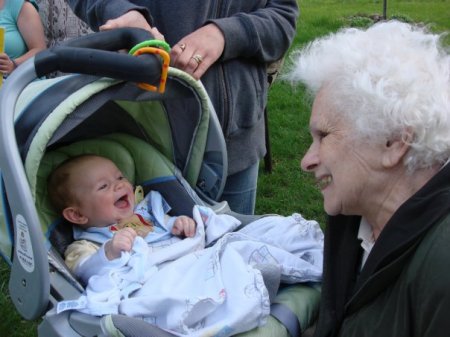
(182, 46)
(197, 58)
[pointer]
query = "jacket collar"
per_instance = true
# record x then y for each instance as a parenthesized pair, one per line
(402, 233)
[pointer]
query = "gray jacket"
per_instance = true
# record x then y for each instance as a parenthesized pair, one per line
(256, 32)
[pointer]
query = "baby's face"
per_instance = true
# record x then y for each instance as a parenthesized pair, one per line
(104, 195)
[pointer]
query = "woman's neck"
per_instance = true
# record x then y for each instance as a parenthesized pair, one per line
(397, 192)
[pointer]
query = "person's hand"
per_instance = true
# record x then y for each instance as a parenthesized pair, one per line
(196, 52)
(122, 241)
(132, 19)
(6, 64)
(184, 225)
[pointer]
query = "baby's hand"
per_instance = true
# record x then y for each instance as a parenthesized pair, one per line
(184, 225)
(122, 241)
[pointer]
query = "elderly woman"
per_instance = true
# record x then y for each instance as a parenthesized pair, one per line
(380, 127)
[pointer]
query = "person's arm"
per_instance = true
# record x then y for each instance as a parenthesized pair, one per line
(94, 264)
(97, 12)
(32, 31)
(86, 259)
(265, 34)
(79, 251)
(117, 14)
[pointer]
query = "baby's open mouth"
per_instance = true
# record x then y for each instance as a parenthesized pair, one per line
(122, 202)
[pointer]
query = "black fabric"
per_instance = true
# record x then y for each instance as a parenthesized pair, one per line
(183, 112)
(61, 236)
(345, 289)
(285, 315)
(175, 194)
(346, 229)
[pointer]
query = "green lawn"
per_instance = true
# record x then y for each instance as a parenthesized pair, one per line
(286, 189)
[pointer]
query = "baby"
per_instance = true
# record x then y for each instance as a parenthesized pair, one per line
(183, 286)
(93, 194)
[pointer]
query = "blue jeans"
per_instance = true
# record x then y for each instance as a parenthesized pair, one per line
(240, 190)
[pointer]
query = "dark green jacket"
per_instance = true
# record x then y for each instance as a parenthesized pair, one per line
(404, 287)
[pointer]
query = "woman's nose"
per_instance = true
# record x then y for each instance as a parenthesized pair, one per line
(310, 160)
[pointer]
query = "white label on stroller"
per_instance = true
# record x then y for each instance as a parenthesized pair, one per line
(23, 244)
(71, 305)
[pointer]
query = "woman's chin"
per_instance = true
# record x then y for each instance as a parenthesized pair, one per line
(331, 209)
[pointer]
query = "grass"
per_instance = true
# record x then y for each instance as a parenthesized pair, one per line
(287, 189)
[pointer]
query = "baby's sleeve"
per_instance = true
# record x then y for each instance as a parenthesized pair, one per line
(79, 251)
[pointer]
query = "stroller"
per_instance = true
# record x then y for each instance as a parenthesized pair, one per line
(167, 139)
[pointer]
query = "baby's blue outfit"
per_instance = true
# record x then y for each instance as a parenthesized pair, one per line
(152, 208)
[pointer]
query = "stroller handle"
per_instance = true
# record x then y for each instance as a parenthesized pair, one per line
(91, 54)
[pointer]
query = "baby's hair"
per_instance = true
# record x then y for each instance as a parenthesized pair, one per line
(58, 182)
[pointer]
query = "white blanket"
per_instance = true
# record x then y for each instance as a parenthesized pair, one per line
(191, 290)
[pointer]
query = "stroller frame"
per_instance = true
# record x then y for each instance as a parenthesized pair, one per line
(35, 289)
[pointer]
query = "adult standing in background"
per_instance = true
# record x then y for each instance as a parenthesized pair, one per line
(380, 153)
(24, 33)
(227, 44)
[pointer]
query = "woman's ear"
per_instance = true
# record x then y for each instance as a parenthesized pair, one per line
(73, 215)
(396, 149)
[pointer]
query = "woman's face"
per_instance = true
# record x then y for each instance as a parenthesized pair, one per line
(348, 170)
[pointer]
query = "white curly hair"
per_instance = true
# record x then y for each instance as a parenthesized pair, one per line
(387, 79)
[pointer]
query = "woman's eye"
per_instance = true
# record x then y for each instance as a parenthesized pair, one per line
(322, 134)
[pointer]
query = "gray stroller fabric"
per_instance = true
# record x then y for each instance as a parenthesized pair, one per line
(271, 275)
(286, 317)
(124, 326)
